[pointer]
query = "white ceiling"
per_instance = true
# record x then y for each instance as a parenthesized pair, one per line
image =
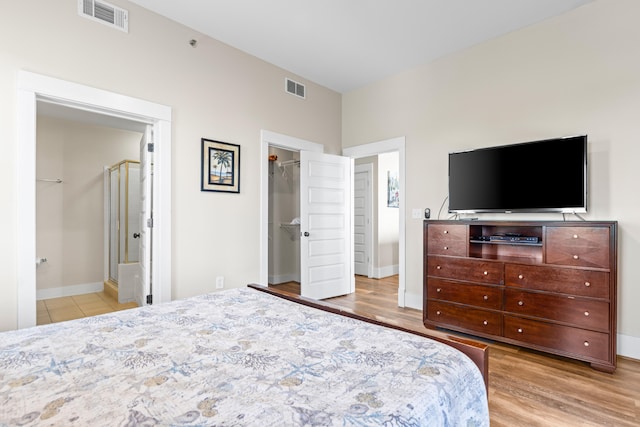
(346, 44)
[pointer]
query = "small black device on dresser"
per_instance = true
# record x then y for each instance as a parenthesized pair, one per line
(512, 238)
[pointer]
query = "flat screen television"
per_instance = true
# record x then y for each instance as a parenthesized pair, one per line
(539, 176)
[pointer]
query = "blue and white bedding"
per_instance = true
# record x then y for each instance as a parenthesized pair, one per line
(234, 358)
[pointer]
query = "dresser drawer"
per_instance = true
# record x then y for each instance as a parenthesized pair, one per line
(448, 239)
(468, 318)
(557, 338)
(477, 295)
(588, 314)
(586, 283)
(578, 246)
(473, 270)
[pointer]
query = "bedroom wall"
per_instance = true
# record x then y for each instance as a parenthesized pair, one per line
(215, 91)
(70, 215)
(577, 73)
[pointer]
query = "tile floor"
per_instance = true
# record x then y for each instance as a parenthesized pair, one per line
(77, 306)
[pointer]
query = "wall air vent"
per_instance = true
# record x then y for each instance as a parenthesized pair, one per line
(294, 88)
(104, 12)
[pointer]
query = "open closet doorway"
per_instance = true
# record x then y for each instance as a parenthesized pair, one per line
(325, 215)
(34, 89)
(284, 216)
(369, 153)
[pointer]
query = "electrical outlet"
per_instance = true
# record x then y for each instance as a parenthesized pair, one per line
(219, 282)
(416, 213)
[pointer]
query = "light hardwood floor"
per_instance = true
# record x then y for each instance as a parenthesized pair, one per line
(526, 388)
(74, 307)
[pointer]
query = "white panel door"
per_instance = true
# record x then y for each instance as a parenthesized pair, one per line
(325, 225)
(361, 220)
(143, 278)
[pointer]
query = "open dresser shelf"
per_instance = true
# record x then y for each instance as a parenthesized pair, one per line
(544, 285)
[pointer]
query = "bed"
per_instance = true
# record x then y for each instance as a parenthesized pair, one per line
(234, 358)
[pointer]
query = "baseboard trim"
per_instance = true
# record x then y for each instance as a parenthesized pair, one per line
(412, 300)
(386, 271)
(628, 346)
(284, 278)
(68, 291)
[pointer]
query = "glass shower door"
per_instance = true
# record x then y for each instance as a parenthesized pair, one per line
(124, 209)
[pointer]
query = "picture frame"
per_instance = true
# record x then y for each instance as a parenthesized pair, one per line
(393, 190)
(220, 169)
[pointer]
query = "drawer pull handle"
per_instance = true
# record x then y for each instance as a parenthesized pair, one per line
(575, 236)
(486, 273)
(520, 302)
(439, 290)
(587, 284)
(438, 267)
(438, 312)
(486, 297)
(586, 313)
(520, 330)
(485, 323)
(586, 343)
(446, 248)
(520, 276)
(446, 231)
(576, 257)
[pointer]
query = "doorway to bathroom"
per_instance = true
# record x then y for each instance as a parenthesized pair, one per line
(87, 213)
(35, 90)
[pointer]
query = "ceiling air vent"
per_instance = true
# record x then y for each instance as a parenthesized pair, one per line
(104, 12)
(294, 88)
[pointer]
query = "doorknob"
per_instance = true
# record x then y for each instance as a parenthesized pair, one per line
(306, 234)
(136, 235)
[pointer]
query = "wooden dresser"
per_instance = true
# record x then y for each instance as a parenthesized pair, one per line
(544, 285)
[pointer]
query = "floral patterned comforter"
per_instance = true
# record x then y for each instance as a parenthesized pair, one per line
(234, 358)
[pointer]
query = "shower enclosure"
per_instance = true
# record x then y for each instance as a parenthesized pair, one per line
(124, 227)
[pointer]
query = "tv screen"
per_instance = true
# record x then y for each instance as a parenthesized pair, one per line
(538, 176)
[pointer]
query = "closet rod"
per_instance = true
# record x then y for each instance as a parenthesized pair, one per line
(57, 180)
(289, 162)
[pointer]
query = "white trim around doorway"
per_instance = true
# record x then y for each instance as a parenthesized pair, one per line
(34, 87)
(386, 146)
(267, 139)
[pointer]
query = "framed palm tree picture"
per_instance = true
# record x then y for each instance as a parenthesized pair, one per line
(220, 166)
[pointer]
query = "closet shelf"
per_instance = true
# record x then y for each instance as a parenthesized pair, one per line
(292, 229)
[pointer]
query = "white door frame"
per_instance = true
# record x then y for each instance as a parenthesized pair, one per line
(385, 146)
(268, 138)
(35, 87)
